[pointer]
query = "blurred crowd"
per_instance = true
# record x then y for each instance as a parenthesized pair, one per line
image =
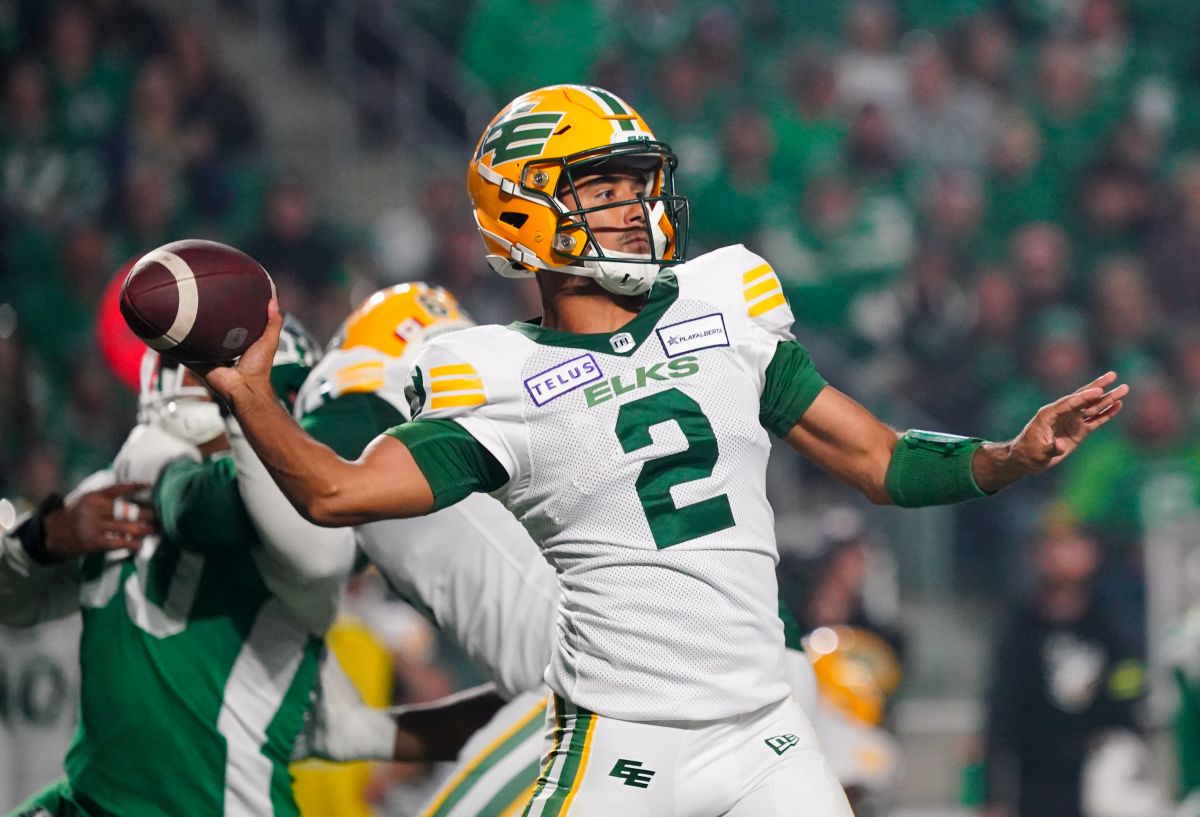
(975, 205)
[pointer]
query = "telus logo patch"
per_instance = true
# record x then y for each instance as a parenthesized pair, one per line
(562, 379)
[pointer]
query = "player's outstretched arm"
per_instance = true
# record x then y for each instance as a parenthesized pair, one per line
(920, 468)
(1051, 436)
(846, 440)
(384, 482)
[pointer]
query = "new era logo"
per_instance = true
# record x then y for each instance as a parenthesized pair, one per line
(632, 773)
(781, 743)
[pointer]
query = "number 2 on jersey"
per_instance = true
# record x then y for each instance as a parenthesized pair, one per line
(669, 524)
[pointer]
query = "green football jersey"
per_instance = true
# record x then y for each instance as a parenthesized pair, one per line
(195, 678)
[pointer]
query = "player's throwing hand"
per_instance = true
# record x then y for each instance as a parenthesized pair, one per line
(253, 370)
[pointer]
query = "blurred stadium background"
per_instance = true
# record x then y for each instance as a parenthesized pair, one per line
(975, 205)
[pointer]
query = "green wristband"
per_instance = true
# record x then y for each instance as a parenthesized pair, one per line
(928, 468)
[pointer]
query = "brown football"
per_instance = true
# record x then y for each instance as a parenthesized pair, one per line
(197, 301)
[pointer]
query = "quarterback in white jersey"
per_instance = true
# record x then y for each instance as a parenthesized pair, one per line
(663, 541)
(627, 431)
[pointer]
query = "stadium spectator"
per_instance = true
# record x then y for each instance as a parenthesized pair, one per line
(737, 199)
(533, 29)
(1126, 315)
(90, 85)
(1176, 244)
(942, 122)
(809, 129)
(1061, 675)
(1154, 457)
(1040, 255)
(214, 112)
(304, 254)
(869, 72)
(43, 181)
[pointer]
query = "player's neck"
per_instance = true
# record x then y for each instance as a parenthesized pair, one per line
(572, 303)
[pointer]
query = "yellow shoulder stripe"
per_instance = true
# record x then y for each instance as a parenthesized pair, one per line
(767, 305)
(763, 287)
(756, 273)
(453, 369)
(456, 384)
(361, 377)
(762, 290)
(453, 400)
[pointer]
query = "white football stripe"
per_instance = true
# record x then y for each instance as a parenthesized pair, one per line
(189, 301)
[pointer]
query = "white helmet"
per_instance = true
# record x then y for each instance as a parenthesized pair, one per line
(187, 410)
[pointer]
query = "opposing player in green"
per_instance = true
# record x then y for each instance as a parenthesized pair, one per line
(200, 645)
(628, 431)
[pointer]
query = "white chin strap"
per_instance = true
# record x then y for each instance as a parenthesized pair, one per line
(626, 277)
(193, 421)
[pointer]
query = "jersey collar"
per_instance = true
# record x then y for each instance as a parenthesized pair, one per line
(663, 293)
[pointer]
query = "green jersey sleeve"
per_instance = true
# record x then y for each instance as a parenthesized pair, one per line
(792, 383)
(454, 463)
(348, 423)
(200, 509)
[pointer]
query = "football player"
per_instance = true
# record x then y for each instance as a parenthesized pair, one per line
(471, 568)
(200, 643)
(627, 429)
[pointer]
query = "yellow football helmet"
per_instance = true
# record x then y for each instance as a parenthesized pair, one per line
(857, 671)
(397, 318)
(375, 346)
(534, 149)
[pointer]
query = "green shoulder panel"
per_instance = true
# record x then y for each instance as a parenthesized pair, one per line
(350, 422)
(454, 463)
(792, 384)
(200, 509)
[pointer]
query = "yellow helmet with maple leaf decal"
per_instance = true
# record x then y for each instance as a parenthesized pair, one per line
(373, 350)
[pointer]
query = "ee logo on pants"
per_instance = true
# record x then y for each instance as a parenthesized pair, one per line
(632, 772)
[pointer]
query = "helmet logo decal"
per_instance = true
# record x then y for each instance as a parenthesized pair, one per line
(433, 305)
(520, 135)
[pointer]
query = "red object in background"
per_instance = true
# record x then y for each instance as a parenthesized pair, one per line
(122, 350)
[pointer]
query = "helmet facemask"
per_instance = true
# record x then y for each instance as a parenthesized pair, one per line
(189, 412)
(664, 215)
(165, 400)
(296, 355)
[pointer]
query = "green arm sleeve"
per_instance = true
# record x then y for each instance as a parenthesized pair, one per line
(199, 507)
(351, 421)
(1187, 734)
(454, 463)
(792, 384)
(931, 468)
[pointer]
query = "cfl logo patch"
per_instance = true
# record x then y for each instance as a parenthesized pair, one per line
(622, 342)
(632, 773)
(781, 743)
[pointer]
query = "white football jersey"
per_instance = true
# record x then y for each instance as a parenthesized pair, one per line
(39, 698)
(637, 461)
(471, 568)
